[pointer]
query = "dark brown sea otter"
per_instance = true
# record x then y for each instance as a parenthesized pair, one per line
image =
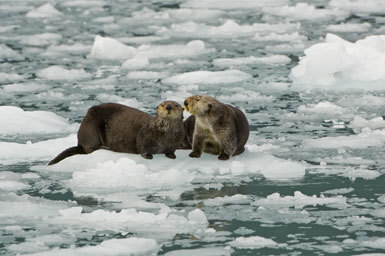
(218, 128)
(124, 129)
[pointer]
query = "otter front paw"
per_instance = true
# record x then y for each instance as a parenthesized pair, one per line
(146, 155)
(223, 157)
(171, 155)
(195, 154)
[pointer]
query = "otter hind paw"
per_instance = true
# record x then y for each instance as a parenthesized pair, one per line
(171, 155)
(195, 154)
(223, 157)
(146, 155)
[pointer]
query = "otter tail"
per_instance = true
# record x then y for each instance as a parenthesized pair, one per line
(67, 153)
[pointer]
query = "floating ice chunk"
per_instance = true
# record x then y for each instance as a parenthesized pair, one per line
(84, 3)
(349, 27)
(11, 152)
(381, 199)
(106, 19)
(77, 48)
(378, 243)
(9, 181)
(60, 73)
(360, 173)
(359, 6)
(4, 29)
(370, 101)
(41, 40)
(161, 226)
(9, 78)
(15, 120)
(339, 62)
(25, 87)
(217, 251)
(237, 94)
(229, 29)
(136, 63)
(146, 75)
(380, 213)
(208, 77)
(280, 37)
(299, 200)
(191, 49)
(365, 139)
(125, 246)
(269, 60)
(304, 11)
(44, 11)
(253, 242)
(41, 243)
(7, 53)
(339, 191)
(323, 109)
(235, 199)
(140, 39)
(230, 5)
(109, 48)
(359, 123)
(131, 102)
(283, 215)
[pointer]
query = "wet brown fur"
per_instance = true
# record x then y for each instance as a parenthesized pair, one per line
(124, 129)
(219, 128)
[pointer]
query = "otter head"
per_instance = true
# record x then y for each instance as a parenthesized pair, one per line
(170, 110)
(200, 105)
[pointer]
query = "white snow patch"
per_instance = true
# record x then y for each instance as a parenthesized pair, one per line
(137, 75)
(41, 40)
(125, 246)
(61, 73)
(208, 77)
(269, 60)
(349, 27)
(337, 63)
(253, 242)
(229, 29)
(299, 200)
(367, 138)
(45, 11)
(304, 11)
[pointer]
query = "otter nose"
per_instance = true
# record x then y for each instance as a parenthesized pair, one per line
(185, 103)
(168, 107)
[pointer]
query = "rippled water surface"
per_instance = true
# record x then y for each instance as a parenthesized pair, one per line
(310, 182)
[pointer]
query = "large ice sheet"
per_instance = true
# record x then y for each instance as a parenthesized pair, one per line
(208, 77)
(337, 63)
(61, 73)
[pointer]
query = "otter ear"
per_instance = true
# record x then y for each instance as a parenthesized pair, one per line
(209, 106)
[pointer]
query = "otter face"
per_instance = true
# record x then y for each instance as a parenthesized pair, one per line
(170, 110)
(200, 105)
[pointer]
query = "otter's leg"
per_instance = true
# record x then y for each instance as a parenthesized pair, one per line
(228, 145)
(198, 143)
(147, 155)
(170, 154)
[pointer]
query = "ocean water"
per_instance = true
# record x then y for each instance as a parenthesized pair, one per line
(310, 182)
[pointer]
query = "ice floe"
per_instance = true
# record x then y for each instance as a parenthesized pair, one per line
(210, 251)
(253, 242)
(83, 3)
(45, 11)
(18, 121)
(359, 123)
(305, 11)
(229, 29)
(109, 48)
(41, 40)
(337, 63)
(269, 60)
(77, 48)
(349, 27)
(359, 6)
(25, 87)
(299, 200)
(136, 62)
(9, 78)
(126, 246)
(291, 37)
(230, 5)
(208, 77)
(146, 75)
(7, 53)
(10, 181)
(367, 138)
(60, 73)
(324, 110)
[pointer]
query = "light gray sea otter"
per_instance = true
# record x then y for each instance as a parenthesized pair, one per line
(124, 129)
(219, 128)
